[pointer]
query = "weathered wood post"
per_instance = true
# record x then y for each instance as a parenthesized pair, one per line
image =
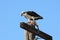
(35, 31)
(26, 35)
(29, 35)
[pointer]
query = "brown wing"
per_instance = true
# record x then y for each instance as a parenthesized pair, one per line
(32, 13)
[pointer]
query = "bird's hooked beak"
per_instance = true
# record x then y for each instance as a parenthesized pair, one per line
(22, 13)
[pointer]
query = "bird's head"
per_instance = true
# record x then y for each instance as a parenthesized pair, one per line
(24, 14)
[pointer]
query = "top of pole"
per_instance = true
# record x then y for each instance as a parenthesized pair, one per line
(35, 31)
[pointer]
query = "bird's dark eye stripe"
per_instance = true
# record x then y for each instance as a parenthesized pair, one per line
(24, 12)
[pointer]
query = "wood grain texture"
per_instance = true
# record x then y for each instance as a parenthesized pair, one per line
(35, 31)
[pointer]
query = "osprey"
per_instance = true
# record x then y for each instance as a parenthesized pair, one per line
(31, 15)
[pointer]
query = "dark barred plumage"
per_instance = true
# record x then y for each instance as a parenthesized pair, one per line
(33, 14)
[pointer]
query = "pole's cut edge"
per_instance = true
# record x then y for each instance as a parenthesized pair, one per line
(35, 31)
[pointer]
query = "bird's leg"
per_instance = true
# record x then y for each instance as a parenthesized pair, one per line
(33, 22)
(36, 25)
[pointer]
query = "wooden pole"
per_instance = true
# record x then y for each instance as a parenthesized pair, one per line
(35, 31)
(28, 35)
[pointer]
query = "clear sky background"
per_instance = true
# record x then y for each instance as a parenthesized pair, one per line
(10, 18)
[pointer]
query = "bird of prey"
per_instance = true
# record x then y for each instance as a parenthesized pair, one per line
(31, 15)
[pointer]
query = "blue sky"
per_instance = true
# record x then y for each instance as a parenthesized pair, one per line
(10, 18)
